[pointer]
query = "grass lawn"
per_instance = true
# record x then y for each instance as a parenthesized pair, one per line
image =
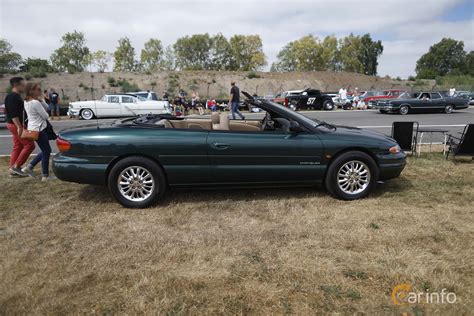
(69, 248)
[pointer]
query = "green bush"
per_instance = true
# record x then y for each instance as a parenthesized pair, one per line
(127, 86)
(112, 82)
(411, 78)
(28, 76)
(460, 82)
(253, 75)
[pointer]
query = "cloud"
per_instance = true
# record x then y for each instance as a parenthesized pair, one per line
(407, 28)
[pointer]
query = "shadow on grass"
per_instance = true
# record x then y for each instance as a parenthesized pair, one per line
(100, 194)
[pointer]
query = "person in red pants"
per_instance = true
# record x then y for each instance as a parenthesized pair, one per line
(14, 107)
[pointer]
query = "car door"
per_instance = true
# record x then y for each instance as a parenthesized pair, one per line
(111, 107)
(129, 105)
(437, 101)
(264, 157)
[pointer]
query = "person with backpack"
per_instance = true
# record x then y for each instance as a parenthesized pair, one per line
(54, 103)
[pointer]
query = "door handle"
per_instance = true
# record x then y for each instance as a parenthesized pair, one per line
(221, 146)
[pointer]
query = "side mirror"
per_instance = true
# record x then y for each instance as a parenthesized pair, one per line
(295, 127)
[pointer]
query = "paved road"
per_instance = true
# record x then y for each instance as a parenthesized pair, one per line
(365, 119)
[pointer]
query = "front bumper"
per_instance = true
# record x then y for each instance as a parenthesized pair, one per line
(391, 165)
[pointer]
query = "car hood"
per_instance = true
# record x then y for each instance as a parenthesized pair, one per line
(361, 133)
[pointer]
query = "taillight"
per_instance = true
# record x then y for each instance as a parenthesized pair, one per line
(63, 145)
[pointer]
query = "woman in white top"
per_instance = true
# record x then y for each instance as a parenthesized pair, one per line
(37, 121)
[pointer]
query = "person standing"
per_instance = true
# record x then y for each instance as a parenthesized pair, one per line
(37, 121)
(47, 101)
(14, 107)
(234, 101)
(54, 103)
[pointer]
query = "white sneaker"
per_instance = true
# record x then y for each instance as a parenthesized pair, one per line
(29, 172)
(48, 178)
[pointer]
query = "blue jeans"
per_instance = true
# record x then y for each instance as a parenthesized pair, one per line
(43, 156)
(235, 110)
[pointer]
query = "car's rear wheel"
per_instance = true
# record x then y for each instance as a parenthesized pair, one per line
(383, 111)
(352, 175)
(404, 110)
(448, 109)
(87, 114)
(328, 105)
(137, 182)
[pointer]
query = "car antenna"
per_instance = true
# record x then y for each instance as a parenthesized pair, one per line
(92, 95)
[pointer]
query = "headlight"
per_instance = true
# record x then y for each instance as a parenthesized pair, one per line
(395, 149)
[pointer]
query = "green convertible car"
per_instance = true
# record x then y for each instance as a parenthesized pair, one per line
(140, 158)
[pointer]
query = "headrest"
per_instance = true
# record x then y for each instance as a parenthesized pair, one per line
(215, 118)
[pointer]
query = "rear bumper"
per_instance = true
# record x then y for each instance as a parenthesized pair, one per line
(79, 170)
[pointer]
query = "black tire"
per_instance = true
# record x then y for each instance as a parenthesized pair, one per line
(343, 160)
(87, 114)
(403, 110)
(135, 163)
(448, 109)
(328, 105)
(383, 111)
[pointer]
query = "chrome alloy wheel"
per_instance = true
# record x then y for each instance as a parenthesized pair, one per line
(136, 183)
(353, 177)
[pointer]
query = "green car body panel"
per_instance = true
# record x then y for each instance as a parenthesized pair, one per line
(189, 158)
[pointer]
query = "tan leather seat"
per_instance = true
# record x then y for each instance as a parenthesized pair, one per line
(224, 122)
(242, 126)
(199, 124)
(165, 123)
(178, 123)
(215, 118)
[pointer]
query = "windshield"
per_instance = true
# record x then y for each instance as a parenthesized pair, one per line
(141, 98)
(290, 113)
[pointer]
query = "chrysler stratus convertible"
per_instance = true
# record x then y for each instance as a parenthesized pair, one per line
(139, 159)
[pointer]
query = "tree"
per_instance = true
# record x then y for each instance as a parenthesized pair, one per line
(168, 59)
(73, 55)
(330, 53)
(9, 61)
(100, 60)
(308, 54)
(469, 63)
(443, 58)
(220, 54)
(247, 52)
(124, 56)
(151, 57)
(192, 52)
(369, 52)
(350, 47)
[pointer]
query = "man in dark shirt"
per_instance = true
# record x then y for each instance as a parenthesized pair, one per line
(234, 101)
(54, 103)
(14, 107)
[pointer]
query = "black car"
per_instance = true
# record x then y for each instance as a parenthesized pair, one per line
(423, 102)
(312, 99)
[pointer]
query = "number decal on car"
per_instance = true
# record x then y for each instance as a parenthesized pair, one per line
(310, 101)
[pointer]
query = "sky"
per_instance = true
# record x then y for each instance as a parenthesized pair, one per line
(407, 28)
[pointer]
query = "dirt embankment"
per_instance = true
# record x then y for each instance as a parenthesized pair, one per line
(213, 83)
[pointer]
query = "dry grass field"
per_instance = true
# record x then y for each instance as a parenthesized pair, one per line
(68, 248)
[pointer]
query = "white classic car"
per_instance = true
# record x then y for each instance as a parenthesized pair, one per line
(115, 105)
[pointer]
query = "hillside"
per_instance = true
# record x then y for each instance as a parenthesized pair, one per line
(214, 83)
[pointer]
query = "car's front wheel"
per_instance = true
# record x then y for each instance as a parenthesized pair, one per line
(137, 182)
(404, 110)
(352, 175)
(87, 114)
